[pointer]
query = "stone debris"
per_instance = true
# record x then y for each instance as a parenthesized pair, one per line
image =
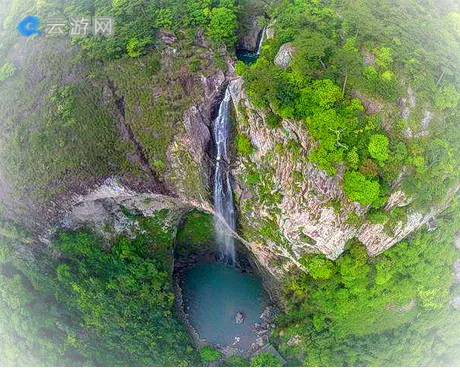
(237, 340)
(268, 313)
(239, 318)
(294, 340)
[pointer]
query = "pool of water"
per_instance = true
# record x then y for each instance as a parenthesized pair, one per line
(248, 57)
(214, 294)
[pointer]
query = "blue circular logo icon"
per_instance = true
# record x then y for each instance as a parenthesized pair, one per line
(29, 26)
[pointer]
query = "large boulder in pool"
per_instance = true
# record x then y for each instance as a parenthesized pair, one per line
(284, 56)
(239, 318)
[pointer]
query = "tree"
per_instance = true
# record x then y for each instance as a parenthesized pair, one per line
(318, 266)
(222, 26)
(244, 145)
(446, 97)
(378, 147)
(384, 58)
(209, 354)
(358, 188)
(198, 12)
(266, 359)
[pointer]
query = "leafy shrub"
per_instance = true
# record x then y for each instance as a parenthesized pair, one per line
(446, 97)
(370, 73)
(209, 354)
(353, 219)
(377, 217)
(266, 359)
(318, 266)
(378, 147)
(252, 178)
(358, 188)
(222, 27)
(384, 58)
(273, 120)
(244, 145)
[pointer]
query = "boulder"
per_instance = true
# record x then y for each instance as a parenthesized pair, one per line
(166, 37)
(270, 33)
(285, 55)
(239, 318)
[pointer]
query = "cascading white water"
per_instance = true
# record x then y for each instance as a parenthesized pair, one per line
(223, 196)
(261, 41)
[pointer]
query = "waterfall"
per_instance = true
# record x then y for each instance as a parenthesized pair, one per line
(223, 196)
(261, 41)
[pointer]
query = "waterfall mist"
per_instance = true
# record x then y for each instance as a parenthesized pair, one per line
(223, 196)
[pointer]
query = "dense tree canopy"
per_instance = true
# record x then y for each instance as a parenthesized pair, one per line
(90, 306)
(357, 49)
(392, 309)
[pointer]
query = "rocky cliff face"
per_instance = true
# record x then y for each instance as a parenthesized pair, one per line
(289, 207)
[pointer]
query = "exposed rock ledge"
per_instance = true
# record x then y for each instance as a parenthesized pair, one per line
(306, 217)
(285, 55)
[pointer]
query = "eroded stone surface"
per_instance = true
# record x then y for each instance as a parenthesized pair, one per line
(285, 55)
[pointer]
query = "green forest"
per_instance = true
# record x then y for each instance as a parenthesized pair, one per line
(82, 299)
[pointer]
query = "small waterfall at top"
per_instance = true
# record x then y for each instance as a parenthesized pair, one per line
(223, 196)
(261, 41)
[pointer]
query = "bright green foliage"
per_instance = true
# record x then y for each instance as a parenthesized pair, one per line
(6, 71)
(327, 70)
(389, 310)
(352, 158)
(199, 11)
(94, 306)
(378, 147)
(244, 145)
(384, 57)
(358, 188)
(447, 97)
(209, 354)
(223, 24)
(318, 266)
(195, 234)
(370, 74)
(266, 359)
(136, 48)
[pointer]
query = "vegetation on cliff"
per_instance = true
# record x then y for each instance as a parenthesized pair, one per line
(390, 310)
(91, 303)
(374, 84)
(352, 61)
